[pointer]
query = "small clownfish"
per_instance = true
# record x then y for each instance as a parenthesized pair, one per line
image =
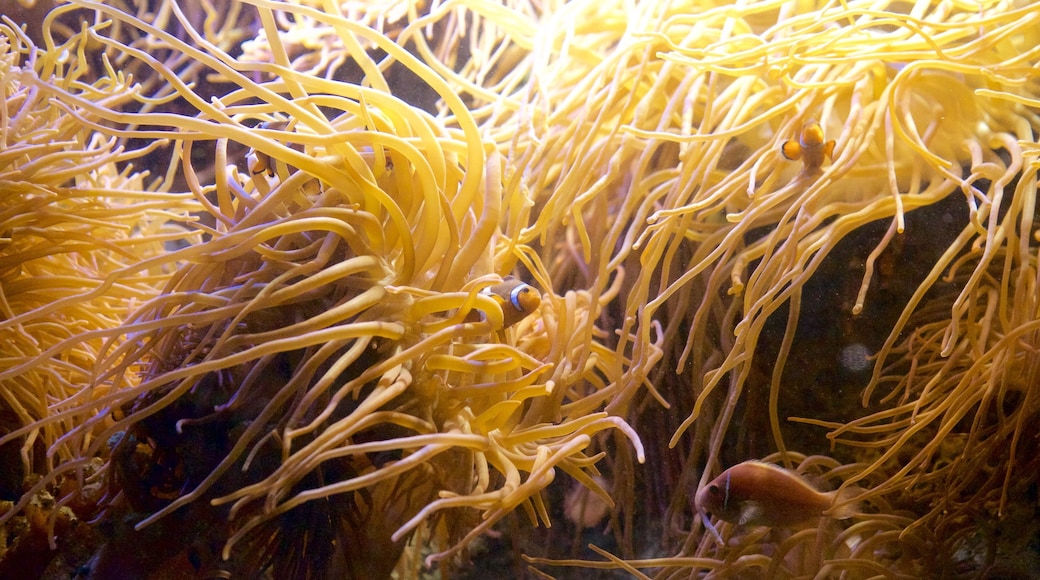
(762, 494)
(517, 299)
(258, 162)
(810, 147)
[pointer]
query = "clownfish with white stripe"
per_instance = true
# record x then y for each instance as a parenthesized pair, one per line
(810, 147)
(754, 493)
(517, 298)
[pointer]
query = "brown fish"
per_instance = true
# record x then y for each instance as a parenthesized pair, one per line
(517, 298)
(810, 147)
(762, 494)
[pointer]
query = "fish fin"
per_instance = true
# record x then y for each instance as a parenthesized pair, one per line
(751, 511)
(845, 503)
(711, 528)
(791, 150)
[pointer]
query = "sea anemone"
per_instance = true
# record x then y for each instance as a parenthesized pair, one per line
(730, 212)
(656, 140)
(324, 369)
(83, 232)
(82, 229)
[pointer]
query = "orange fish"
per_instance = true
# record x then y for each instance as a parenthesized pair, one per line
(516, 297)
(810, 147)
(762, 494)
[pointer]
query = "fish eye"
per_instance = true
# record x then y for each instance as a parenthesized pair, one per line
(714, 489)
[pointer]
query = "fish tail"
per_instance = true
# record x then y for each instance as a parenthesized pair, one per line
(845, 502)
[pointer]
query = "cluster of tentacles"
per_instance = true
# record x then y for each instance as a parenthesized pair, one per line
(255, 266)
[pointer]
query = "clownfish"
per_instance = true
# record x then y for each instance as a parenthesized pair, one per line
(755, 493)
(810, 147)
(258, 162)
(517, 299)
